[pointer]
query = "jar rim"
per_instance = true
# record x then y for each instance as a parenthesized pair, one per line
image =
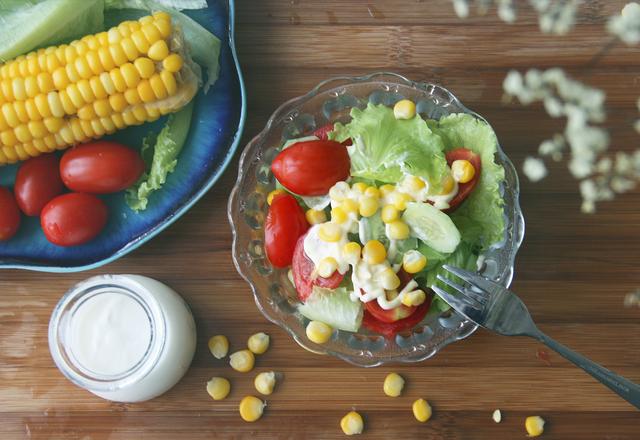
(60, 324)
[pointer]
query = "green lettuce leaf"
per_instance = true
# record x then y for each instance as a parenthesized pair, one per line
(385, 148)
(163, 152)
(480, 218)
(142, 4)
(27, 25)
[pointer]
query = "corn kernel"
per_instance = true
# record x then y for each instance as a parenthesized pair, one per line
(351, 252)
(447, 185)
(414, 298)
(251, 408)
(372, 191)
(352, 423)
(242, 361)
(349, 206)
(327, 267)
(387, 189)
(397, 230)
(534, 425)
(404, 109)
(414, 183)
(368, 206)
(462, 171)
(318, 332)
(389, 214)
(315, 216)
(158, 50)
(360, 187)
(338, 191)
(258, 343)
(218, 346)
(265, 382)
(421, 410)
(393, 385)
(388, 279)
(164, 26)
(413, 261)
(145, 67)
(338, 215)
(218, 388)
(172, 63)
(374, 252)
(329, 232)
(141, 42)
(399, 200)
(273, 194)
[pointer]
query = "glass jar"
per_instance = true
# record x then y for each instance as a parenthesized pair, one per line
(125, 338)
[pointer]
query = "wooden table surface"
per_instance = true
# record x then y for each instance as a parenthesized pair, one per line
(573, 270)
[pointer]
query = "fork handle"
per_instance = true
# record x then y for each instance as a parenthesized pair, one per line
(623, 387)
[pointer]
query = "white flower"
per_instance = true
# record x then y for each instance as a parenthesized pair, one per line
(461, 8)
(534, 169)
(626, 26)
(512, 83)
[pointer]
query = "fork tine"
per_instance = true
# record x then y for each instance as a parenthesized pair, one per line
(455, 302)
(474, 279)
(472, 297)
(460, 273)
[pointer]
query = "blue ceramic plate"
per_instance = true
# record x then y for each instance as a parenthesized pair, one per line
(216, 127)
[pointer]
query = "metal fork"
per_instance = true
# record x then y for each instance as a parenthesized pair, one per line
(494, 307)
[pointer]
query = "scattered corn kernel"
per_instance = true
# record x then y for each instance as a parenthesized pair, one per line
(400, 200)
(393, 385)
(404, 109)
(374, 252)
(352, 423)
(389, 214)
(338, 215)
(327, 267)
(258, 343)
(337, 191)
(360, 187)
(218, 346)
(386, 189)
(265, 382)
(315, 216)
(273, 194)
(251, 408)
(242, 361)
(372, 191)
(421, 410)
(447, 185)
(388, 279)
(497, 416)
(368, 206)
(413, 183)
(462, 171)
(352, 251)
(534, 425)
(349, 205)
(329, 232)
(413, 261)
(414, 298)
(398, 230)
(218, 388)
(318, 332)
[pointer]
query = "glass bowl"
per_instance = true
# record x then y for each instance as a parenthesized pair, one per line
(275, 296)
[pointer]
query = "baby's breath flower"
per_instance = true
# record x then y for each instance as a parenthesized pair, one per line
(626, 25)
(534, 169)
(632, 299)
(461, 8)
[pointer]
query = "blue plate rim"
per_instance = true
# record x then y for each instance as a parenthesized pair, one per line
(139, 241)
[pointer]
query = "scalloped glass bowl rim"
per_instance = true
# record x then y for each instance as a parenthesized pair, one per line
(467, 328)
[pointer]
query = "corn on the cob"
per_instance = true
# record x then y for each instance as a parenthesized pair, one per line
(60, 96)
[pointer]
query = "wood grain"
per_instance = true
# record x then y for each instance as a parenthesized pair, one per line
(573, 270)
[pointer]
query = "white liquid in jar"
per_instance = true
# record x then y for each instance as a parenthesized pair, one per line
(110, 333)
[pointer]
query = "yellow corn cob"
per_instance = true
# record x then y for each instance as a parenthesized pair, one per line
(53, 98)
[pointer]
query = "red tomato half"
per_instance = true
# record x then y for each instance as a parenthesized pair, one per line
(9, 215)
(73, 219)
(100, 167)
(37, 182)
(284, 225)
(302, 268)
(322, 133)
(390, 329)
(464, 189)
(310, 168)
(395, 314)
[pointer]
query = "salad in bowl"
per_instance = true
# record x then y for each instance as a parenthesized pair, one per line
(358, 216)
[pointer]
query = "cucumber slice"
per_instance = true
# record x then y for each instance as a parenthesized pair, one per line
(334, 308)
(432, 226)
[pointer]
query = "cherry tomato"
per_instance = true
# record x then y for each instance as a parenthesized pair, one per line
(464, 189)
(322, 133)
(100, 167)
(310, 168)
(390, 329)
(9, 214)
(302, 268)
(285, 224)
(73, 219)
(397, 313)
(37, 182)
